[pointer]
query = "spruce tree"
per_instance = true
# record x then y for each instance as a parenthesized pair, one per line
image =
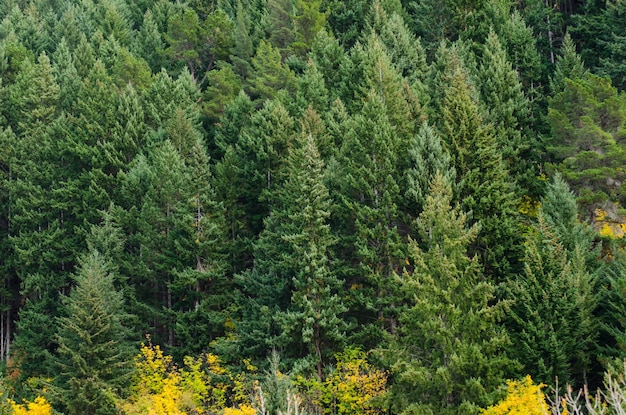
(368, 216)
(569, 65)
(509, 112)
(427, 156)
(448, 355)
(93, 356)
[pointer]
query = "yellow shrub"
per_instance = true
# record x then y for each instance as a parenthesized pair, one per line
(38, 407)
(523, 398)
(354, 386)
(242, 410)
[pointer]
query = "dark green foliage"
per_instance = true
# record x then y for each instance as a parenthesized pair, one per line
(485, 188)
(368, 204)
(347, 19)
(509, 112)
(314, 316)
(256, 167)
(553, 327)
(93, 355)
(587, 121)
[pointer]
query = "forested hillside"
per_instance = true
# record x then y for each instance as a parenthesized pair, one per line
(269, 207)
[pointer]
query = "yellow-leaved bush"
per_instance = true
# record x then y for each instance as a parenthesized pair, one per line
(39, 406)
(522, 398)
(201, 386)
(355, 387)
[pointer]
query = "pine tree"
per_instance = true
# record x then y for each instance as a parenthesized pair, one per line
(308, 21)
(448, 355)
(586, 121)
(94, 357)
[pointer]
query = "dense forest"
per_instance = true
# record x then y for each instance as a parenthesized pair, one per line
(283, 207)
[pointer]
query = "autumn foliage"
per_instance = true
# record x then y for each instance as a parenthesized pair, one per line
(523, 398)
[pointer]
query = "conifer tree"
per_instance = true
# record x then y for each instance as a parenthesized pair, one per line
(313, 315)
(243, 49)
(569, 65)
(553, 327)
(509, 112)
(149, 44)
(485, 189)
(587, 123)
(94, 357)
(448, 355)
(368, 194)
(308, 21)
(427, 156)
(269, 74)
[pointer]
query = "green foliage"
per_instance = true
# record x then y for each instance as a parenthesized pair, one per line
(553, 324)
(587, 121)
(449, 353)
(93, 355)
(256, 167)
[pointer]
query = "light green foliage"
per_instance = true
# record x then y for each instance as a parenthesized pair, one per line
(448, 355)
(427, 157)
(269, 74)
(309, 20)
(569, 65)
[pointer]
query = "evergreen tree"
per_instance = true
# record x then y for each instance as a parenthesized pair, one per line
(313, 316)
(485, 187)
(427, 156)
(93, 354)
(569, 65)
(448, 356)
(587, 123)
(509, 112)
(269, 75)
(149, 44)
(243, 49)
(308, 21)
(368, 195)
(553, 327)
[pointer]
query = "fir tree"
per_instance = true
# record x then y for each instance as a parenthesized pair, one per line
(485, 187)
(313, 317)
(94, 357)
(553, 327)
(569, 65)
(427, 156)
(509, 112)
(368, 194)
(448, 356)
